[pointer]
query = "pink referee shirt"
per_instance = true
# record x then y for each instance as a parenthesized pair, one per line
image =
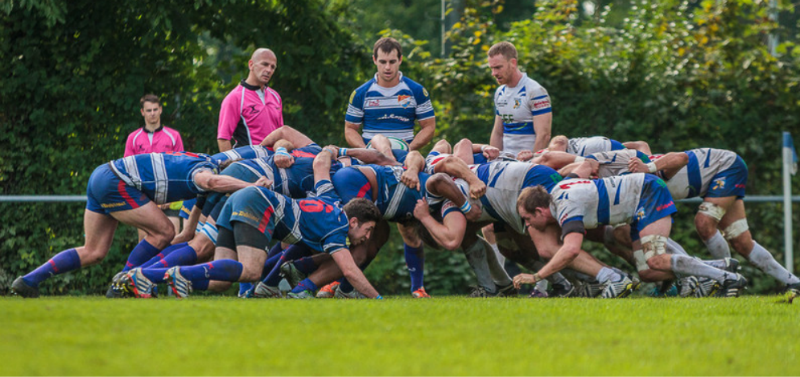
(163, 139)
(249, 114)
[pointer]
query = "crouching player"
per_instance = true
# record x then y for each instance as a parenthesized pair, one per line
(719, 177)
(129, 190)
(252, 218)
(638, 199)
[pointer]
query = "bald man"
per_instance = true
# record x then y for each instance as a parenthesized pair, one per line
(252, 110)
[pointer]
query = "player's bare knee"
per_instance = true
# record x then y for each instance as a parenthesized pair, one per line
(251, 273)
(648, 276)
(92, 257)
(219, 286)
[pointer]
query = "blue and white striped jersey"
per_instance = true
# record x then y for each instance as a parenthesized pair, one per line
(164, 177)
(389, 111)
(242, 153)
(518, 105)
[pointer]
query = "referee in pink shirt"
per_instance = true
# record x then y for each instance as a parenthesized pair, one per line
(252, 110)
(155, 138)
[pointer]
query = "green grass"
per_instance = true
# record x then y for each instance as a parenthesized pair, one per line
(443, 336)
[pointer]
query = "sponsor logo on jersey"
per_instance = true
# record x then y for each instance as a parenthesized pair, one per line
(245, 215)
(665, 206)
(541, 103)
(394, 117)
(250, 110)
(373, 103)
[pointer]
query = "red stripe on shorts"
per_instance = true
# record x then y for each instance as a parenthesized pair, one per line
(363, 191)
(265, 219)
(121, 187)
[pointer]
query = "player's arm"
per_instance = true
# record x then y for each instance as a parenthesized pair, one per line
(557, 160)
(353, 274)
(291, 135)
(322, 164)
(641, 146)
(352, 134)
(487, 150)
(427, 127)
(414, 164)
(443, 186)
(542, 125)
(496, 140)
(208, 181)
(282, 158)
(585, 169)
(367, 156)
(449, 233)
(189, 226)
(669, 163)
(562, 258)
(455, 167)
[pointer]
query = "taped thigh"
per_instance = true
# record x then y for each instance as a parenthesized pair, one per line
(654, 245)
(735, 229)
(641, 261)
(712, 210)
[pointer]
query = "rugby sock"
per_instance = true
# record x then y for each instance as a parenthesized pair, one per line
(541, 286)
(273, 269)
(716, 263)
(140, 254)
(415, 262)
(65, 261)
(200, 285)
(306, 284)
(495, 261)
(476, 257)
(762, 258)
(607, 274)
(154, 274)
(675, 248)
(274, 250)
(243, 287)
(686, 266)
(345, 286)
(296, 252)
(185, 256)
(223, 270)
(163, 254)
(305, 265)
(717, 246)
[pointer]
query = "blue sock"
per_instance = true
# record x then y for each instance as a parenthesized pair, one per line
(274, 250)
(185, 256)
(273, 277)
(65, 261)
(200, 285)
(305, 285)
(243, 287)
(270, 264)
(415, 262)
(140, 254)
(296, 252)
(163, 254)
(223, 270)
(345, 286)
(305, 265)
(156, 275)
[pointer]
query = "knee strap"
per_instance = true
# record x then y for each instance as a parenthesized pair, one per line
(654, 245)
(641, 261)
(735, 229)
(712, 210)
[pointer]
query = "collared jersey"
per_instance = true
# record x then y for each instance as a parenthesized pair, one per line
(518, 105)
(389, 111)
(163, 139)
(249, 113)
(698, 175)
(164, 177)
(609, 201)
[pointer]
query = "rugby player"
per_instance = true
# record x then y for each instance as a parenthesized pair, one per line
(128, 190)
(719, 177)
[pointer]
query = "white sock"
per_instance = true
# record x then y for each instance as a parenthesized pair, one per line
(476, 257)
(607, 274)
(688, 266)
(717, 246)
(762, 258)
(675, 248)
(541, 286)
(500, 258)
(495, 261)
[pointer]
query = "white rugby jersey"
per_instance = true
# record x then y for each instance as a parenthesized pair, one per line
(606, 201)
(695, 178)
(614, 162)
(518, 105)
(584, 146)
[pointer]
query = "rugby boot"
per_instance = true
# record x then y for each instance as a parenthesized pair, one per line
(181, 286)
(420, 293)
(265, 291)
(705, 287)
(732, 287)
(328, 291)
(590, 289)
(731, 265)
(135, 281)
(20, 287)
(535, 293)
(352, 294)
(305, 294)
(291, 274)
(507, 291)
(480, 292)
(560, 290)
(792, 291)
(687, 286)
(115, 290)
(618, 289)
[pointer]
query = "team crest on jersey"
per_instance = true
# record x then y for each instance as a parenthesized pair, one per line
(424, 92)
(640, 214)
(404, 101)
(517, 102)
(719, 184)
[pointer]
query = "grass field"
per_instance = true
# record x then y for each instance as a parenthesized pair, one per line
(399, 336)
